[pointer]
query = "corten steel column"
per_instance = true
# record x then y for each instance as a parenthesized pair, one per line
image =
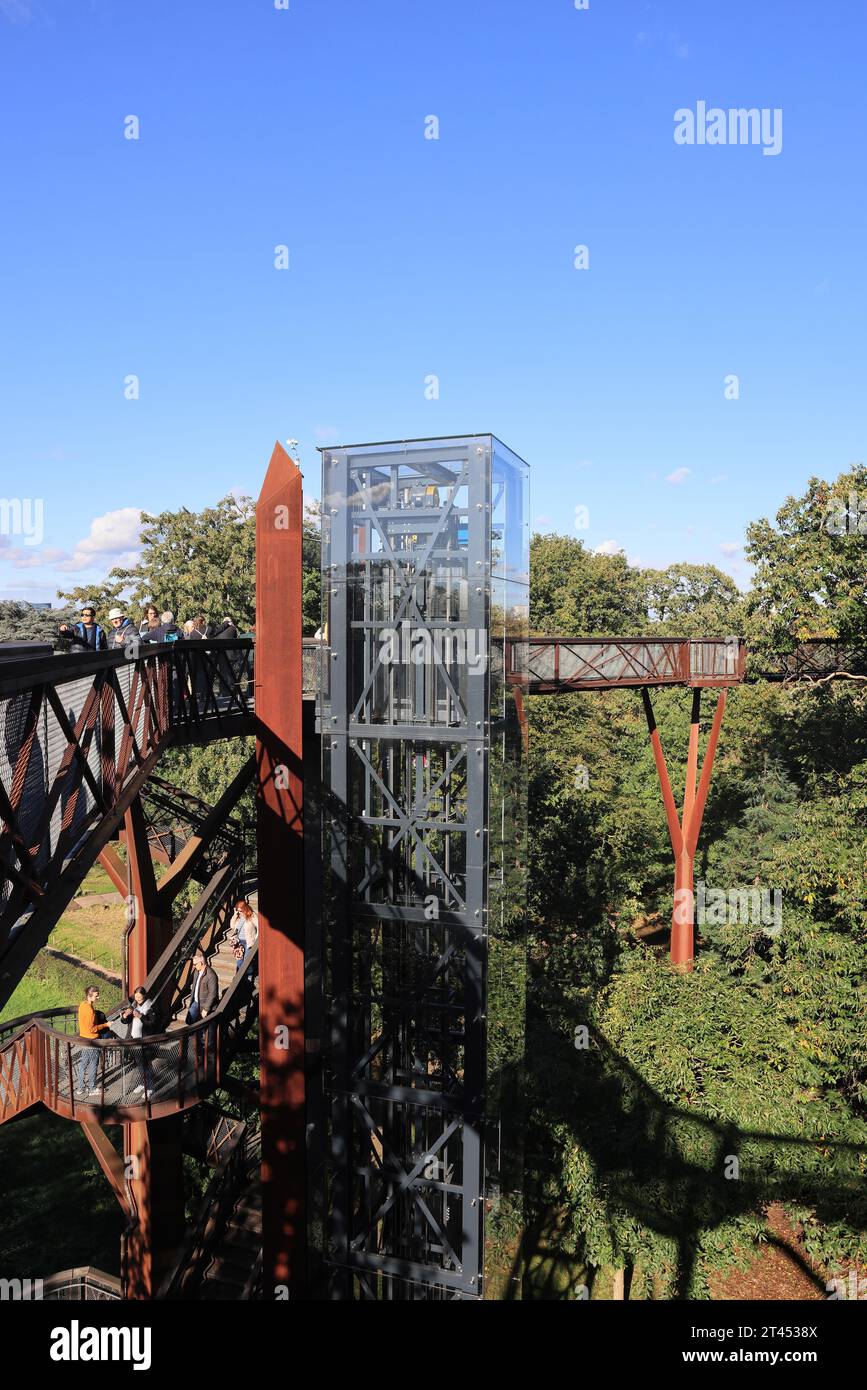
(682, 922)
(152, 1152)
(280, 843)
(684, 832)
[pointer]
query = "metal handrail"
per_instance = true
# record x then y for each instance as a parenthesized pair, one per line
(191, 932)
(23, 1021)
(218, 1201)
(76, 1285)
(204, 1057)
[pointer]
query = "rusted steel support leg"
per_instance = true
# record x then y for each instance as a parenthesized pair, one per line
(684, 833)
(153, 927)
(154, 1164)
(692, 758)
(152, 1148)
(521, 711)
(115, 868)
(280, 843)
(683, 913)
(110, 1162)
(681, 946)
(662, 771)
(691, 830)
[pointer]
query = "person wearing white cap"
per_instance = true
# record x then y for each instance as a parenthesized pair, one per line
(122, 628)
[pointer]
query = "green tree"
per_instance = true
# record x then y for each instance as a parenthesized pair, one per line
(204, 562)
(811, 567)
(575, 592)
(191, 562)
(693, 601)
(19, 622)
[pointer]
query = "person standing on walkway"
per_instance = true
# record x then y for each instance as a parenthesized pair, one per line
(206, 992)
(89, 1027)
(245, 926)
(143, 1023)
(122, 629)
(87, 634)
(206, 989)
(150, 621)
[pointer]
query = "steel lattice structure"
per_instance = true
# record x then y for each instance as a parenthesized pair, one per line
(79, 737)
(425, 566)
(548, 665)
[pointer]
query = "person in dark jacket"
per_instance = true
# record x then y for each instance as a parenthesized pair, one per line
(166, 631)
(206, 992)
(227, 666)
(122, 629)
(206, 989)
(195, 630)
(87, 634)
(226, 631)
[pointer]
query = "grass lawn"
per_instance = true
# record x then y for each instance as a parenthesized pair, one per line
(92, 933)
(51, 984)
(97, 881)
(58, 1209)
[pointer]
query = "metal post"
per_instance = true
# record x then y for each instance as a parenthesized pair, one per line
(152, 1148)
(684, 833)
(280, 842)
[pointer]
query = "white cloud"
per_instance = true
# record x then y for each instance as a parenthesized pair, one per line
(678, 476)
(608, 548)
(718, 478)
(113, 537)
(34, 559)
(16, 11)
(730, 547)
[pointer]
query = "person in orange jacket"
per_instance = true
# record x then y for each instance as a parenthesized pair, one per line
(88, 1027)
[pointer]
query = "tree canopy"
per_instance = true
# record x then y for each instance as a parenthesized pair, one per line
(203, 562)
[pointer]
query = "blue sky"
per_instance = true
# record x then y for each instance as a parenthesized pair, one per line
(411, 257)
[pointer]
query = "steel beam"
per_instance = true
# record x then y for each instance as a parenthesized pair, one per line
(684, 832)
(153, 1155)
(280, 843)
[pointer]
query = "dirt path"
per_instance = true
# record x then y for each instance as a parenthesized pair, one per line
(781, 1268)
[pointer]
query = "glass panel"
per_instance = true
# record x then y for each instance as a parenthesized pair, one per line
(425, 569)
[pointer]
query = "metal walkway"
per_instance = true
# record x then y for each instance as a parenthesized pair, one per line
(79, 737)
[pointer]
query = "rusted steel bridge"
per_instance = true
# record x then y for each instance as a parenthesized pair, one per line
(382, 887)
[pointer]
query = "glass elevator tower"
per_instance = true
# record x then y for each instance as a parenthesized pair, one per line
(426, 595)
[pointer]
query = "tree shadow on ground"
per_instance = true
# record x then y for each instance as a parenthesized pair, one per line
(663, 1167)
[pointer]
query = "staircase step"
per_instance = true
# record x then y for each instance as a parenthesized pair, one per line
(248, 1221)
(241, 1238)
(251, 1200)
(218, 1289)
(239, 1244)
(228, 1270)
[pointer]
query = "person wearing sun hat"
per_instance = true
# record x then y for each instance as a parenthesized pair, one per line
(87, 634)
(122, 628)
